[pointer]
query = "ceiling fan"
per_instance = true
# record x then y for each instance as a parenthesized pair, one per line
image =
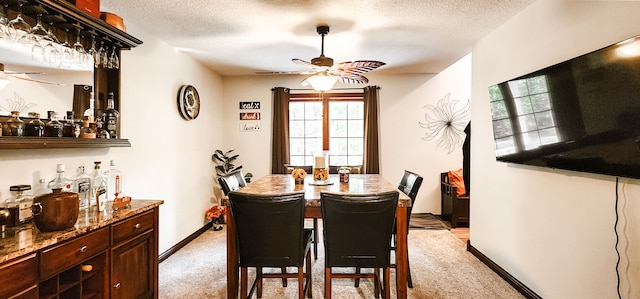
(5, 75)
(326, 73)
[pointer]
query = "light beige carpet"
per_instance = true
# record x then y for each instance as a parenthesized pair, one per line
(441, 268)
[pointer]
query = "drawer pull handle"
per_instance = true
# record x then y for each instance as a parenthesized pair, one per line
(137, 226)
(116, 286)
(83, 248)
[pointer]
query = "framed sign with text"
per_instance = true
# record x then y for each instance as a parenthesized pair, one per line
(249, 115)
(249, 105)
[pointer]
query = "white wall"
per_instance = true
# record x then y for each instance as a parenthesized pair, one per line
(169, 158)
(402, 98)
(552, 230)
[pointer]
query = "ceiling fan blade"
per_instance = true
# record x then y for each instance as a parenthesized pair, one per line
(38, 81)
(353, 79)
(286, 73)
(355, 67)
(305, 82)
(23, 73)
(310, 65)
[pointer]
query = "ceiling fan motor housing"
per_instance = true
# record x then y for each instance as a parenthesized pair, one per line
(322, 61)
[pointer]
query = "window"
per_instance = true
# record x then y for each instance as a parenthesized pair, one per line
(329, 121)
(525, 122)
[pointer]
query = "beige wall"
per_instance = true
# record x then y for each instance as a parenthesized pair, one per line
(169, 158)
(402, 98)
(552, 230)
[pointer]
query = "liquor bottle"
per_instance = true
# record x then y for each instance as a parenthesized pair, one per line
(53, 128)
(14, 126)
(20, 204)
(68, 127)
(35, 127)
(86, 131)
(90, 113)
(99, 189)
(60, 181)
(114, 181)
(112, 116)
(82, 186)
(101, 130)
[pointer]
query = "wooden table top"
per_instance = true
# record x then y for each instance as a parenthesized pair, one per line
(274, 184)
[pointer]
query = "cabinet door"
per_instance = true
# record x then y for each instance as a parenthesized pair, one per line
(19, 275)
(132, 268)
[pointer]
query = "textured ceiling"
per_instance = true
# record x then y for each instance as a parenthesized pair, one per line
(241, 37)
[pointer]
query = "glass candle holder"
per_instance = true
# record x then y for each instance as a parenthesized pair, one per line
(321, 166)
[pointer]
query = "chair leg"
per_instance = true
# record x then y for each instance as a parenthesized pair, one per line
(327, 283)
(244, 281)
(387, 289)
(357, 282)
(376, 283)
(308, 276)
(315, 238)
(300, 283)
(284, 279)
(409, 280)
(259, 281)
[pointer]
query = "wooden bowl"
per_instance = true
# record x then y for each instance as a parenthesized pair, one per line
(113, 20)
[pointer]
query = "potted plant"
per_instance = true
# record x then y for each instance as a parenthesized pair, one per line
(248, 176)
(224, 161)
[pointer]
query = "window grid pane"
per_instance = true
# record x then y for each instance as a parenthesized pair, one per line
(347, 117)
(534, 115)
(305, 129)
(346, 131)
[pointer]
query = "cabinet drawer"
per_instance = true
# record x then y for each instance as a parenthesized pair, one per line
(18, 275)
(61, 257)
(132, 227)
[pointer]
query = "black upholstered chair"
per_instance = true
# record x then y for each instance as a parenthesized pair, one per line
(353, 169)
(232, 182)
(357, 233)
(409, 185)
(271, 234)
(288, 169)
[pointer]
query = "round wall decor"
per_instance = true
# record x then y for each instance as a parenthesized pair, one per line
(188, 102)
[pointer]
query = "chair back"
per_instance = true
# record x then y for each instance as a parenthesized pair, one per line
(288, 168)
(358, 228)
(410, 185)
(232, 182)
(270, 229)
(353, 169)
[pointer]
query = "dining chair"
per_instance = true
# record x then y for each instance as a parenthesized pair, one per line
(271, 234)
(231, 182)
(409, 185)
(288, 168)
(357, 233)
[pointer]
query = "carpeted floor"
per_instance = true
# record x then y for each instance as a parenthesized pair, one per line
(440, 265)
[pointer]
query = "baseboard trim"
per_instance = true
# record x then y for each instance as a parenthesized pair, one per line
(514, 282)
(163, 256)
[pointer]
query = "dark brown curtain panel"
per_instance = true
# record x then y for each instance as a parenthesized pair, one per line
(280, 136)
(371, 135)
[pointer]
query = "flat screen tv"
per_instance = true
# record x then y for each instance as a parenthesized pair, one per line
(582, 114)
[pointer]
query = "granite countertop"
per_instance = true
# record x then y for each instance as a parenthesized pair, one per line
(274, 184)
(24, 239)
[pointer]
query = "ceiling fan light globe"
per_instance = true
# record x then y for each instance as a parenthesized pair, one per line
(322, 82)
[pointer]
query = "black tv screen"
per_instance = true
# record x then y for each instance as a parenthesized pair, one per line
(582, 114)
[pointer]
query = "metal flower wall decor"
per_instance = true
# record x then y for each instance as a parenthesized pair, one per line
(446, 122)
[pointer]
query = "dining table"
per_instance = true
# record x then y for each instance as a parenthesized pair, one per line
(276, 184)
